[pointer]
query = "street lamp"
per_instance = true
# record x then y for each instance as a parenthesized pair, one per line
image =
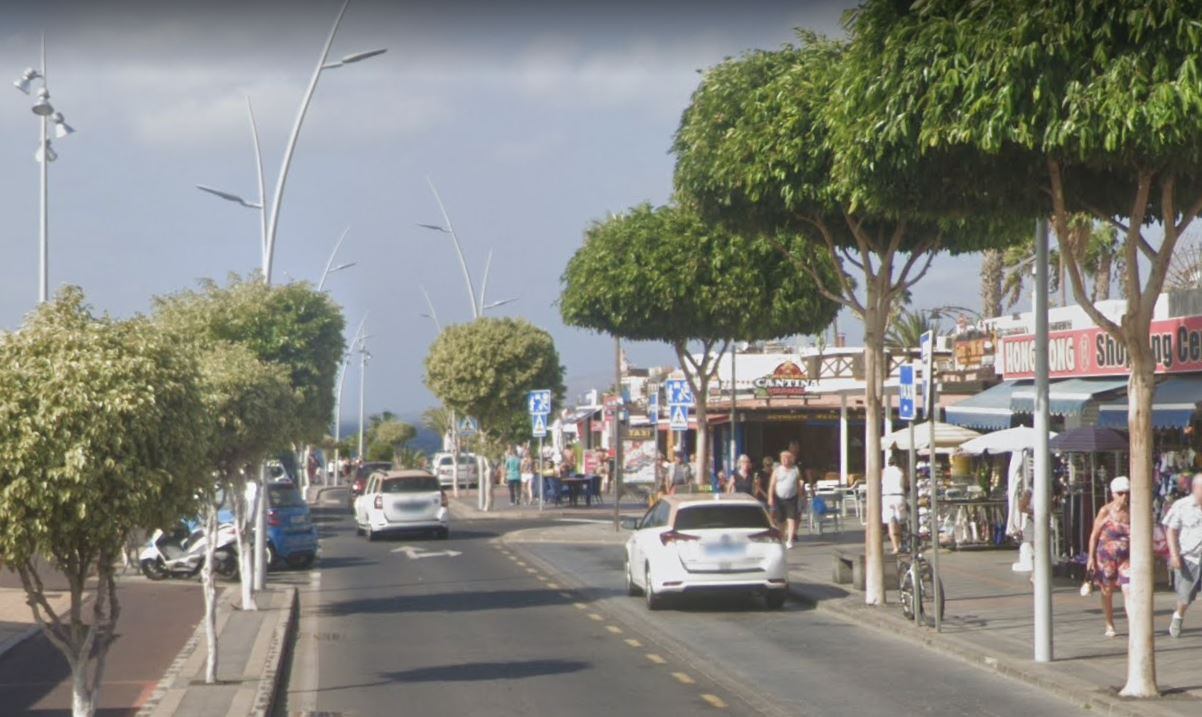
(44, 155)
(330, 268)
(346, 357)
(364, 356)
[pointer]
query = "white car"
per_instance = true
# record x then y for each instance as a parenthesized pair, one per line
(443, 464)
(402, 501)
(705, 543)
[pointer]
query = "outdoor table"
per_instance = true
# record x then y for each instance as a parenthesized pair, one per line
(574, 484)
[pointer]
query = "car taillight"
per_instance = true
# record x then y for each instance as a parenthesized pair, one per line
(379, 502)
(273, 518)
(771, 535)
(674, 537)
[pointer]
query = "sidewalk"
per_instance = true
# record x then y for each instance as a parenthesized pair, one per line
(988, 621)
(464, 507)
(16, 619)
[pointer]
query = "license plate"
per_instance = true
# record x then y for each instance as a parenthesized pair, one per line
(411, 505)
(724, 549)
(300, 520)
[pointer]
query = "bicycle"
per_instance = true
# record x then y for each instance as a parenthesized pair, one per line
(914, 570)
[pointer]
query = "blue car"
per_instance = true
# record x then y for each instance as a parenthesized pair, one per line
(291, 534)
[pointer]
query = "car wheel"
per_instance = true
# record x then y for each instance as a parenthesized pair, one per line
(154, 569)
(654, 601)
(272, 556)
(631, 589)
(775, 599)
(358, 529)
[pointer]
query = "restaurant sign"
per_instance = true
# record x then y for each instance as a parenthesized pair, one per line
(787, 380)
(1176, 345)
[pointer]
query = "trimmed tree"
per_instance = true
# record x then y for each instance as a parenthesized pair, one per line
(757, 150)
(102, 433)
(664, 274)
(1075, 108)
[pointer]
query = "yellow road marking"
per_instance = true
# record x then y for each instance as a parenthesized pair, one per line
(566, 596)
(714, 701)
(542, 579)
(512, 557)
(614, 629)
(521, 564)
(531, 570)
(683, 678)
(655, 658)
(579, 606)
(595, 616)
(553, 586)
(633, 642)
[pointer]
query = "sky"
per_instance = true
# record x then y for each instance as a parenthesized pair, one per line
(532, 119)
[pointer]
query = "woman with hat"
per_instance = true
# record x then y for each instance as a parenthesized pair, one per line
(1109, 563)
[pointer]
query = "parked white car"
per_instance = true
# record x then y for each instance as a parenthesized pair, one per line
(705, 543)
(402, 501)
(443, 465)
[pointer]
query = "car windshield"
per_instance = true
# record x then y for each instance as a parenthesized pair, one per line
(417, 484)
(284, 496)
(702, 517)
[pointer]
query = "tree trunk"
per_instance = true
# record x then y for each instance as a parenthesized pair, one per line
(992, 268)
(83, 700)
(1101, 279)
(702, 464)
(1141, 651)
(209, 586)
(874, 356)
(245, 548)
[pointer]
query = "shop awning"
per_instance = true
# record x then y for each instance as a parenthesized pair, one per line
(989, 409)
(1067, 397)
(1174, 405)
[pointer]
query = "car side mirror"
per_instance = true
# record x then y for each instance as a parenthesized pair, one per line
(629, 523)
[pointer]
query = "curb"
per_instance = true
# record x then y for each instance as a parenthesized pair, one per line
(1084, 695)
(277, 653)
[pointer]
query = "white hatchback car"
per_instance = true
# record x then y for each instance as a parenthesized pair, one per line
(402, 501)
(703, 543)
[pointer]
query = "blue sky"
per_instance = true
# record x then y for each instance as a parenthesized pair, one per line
(533, 120)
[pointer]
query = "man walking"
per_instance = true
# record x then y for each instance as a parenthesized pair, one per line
(1184, 526)
(513, 475)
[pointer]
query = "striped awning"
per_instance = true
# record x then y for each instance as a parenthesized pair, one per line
(1174, 405)
(989, 410)
(1067, 397)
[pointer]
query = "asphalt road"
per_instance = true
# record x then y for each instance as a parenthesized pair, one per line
(529, 630)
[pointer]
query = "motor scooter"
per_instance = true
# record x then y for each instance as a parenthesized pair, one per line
(180, 552)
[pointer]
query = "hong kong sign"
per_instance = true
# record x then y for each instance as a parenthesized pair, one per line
(1176, 344)
(786, 380)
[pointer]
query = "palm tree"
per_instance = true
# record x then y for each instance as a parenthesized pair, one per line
(906, 330)
(992, 273)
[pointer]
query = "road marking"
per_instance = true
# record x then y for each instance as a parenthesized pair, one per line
(633, 642)
(584, 520)
(595, 616)
(564, 595)
(416, 553)
(656, 658)
(579, 606)
(683, 678)
(521, 564)
(553, 586)
(542, 579)
(714, 701)
(511, 557)
(532, 571)
(614, 629)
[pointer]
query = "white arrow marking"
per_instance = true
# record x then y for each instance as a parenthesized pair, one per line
(417, 554)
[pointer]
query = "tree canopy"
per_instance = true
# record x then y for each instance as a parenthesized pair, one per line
(664, 274)
(486, 368)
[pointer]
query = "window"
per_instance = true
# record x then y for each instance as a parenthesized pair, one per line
(418, 484)
(657, 517)
(284, 496)
(702, 517)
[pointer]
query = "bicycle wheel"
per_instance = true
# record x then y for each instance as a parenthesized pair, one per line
(905, 594)
(928, 606)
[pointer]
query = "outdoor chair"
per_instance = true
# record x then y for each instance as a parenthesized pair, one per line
(824, 507)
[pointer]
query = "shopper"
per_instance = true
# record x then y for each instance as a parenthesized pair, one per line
(1184, 525)
(513, 475)
(744, 478)
(1109, 564)
(893, 502)
(764, 479)
(783, 496)
(680, 475)
(528, 477)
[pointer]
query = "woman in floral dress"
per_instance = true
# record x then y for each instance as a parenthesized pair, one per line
(1110, 548)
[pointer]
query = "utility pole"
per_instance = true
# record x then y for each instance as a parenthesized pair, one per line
(1043, 479)
(617, 435)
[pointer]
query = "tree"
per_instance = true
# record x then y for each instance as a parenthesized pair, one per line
(992, 275)
(758, 149)
(664, 274)
(102, 432)
(905, 331)
(486, 368)
(1066, 108)
(387, 437)
(437, 419)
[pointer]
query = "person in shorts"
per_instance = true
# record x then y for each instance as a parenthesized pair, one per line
(1183, 525)
(784, 496)
(893, 502)
(680, 475)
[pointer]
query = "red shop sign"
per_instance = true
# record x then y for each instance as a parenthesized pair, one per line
(1176, 344)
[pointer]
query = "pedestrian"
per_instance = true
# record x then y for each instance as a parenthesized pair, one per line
(680, 474)
(1109, 564)
(1184, 525)
(744, 478)
(513, 475)
(893, 502)
(783, 496)
(765, 479)
(528, 477)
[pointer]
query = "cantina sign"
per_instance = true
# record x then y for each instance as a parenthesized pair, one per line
(786, 380)
(1176, 344)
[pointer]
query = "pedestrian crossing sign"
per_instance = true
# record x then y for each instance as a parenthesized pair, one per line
(680, 418)
(539, 425)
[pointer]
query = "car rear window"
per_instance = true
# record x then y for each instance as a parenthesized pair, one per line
(701, 517)
(420, 484)
(284, 496)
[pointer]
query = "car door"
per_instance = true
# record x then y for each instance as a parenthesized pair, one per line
(633, 550)
(647, 538)
(364, 501)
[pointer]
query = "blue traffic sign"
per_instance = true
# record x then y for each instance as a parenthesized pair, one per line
(468, 426)
(905, 403)
(538, 425)
(680, 418)
(678, 392)
(539, 403)
(653, 408)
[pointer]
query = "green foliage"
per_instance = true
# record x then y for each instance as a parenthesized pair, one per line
(102, 431)
(486, 368)
(290, 325)
(906, 330)
(437, 419)
(386, 436)
(664, 274)
(379, 451)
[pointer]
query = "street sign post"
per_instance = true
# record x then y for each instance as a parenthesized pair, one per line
(928, 399)
(538, 427)
(653, 407)
(539, 405)
(539, 402)
(468, 426)
(905, 385)
(907, 410)
(678, 392)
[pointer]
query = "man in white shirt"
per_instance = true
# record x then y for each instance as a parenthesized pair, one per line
(1184, 526)
(893, 502)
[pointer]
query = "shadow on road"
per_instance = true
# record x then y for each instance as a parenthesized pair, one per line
(447, 602)
(484, 671)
